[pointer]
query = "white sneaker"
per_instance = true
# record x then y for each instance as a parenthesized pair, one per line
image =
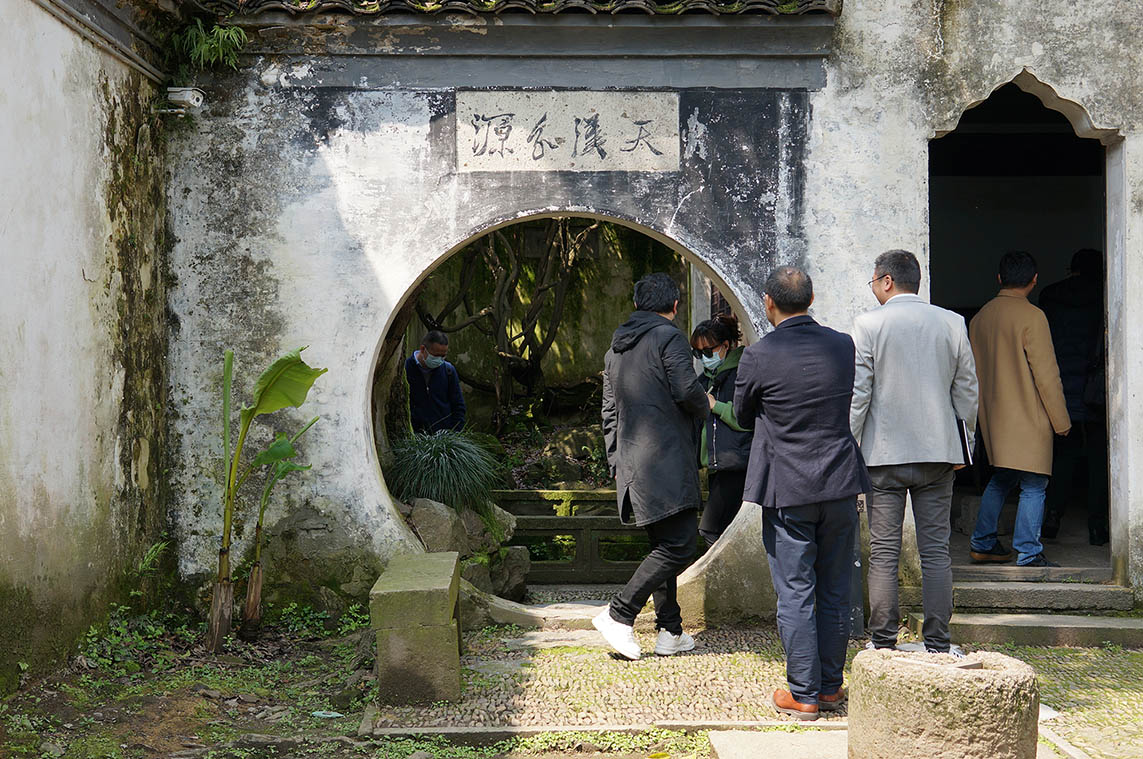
(669, 645)
(619, 636)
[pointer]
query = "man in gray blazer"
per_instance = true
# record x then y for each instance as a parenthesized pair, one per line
(915, 377)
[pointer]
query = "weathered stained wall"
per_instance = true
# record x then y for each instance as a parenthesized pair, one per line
(901, 73)
(81, 330)
(304, 213)
(318, 188)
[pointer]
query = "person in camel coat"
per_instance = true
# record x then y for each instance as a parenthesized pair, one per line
(1021, 406)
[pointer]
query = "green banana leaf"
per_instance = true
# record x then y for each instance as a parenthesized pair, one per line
(280, 449)
(285, 383)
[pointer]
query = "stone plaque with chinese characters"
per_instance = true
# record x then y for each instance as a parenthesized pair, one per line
(567, 131)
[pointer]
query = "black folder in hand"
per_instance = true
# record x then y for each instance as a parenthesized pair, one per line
(965, 441)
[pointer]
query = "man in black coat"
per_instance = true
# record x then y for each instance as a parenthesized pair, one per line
(653, 406)
(794, 387)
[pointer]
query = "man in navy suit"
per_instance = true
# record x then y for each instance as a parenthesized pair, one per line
(794, 387)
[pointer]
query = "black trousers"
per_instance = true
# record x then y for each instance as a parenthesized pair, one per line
(673, 543)
(722, 504)
(1085, 449)
(810, 550)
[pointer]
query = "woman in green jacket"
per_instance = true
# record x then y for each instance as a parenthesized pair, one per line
(725, 446)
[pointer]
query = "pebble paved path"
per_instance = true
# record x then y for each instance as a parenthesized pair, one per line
(1098, 692)
(569, 678)
(514, 677)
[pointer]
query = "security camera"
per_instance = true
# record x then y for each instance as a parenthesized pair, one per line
(186, 97)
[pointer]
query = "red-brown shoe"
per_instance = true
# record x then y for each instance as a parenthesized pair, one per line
(786, 704)
(832, 702)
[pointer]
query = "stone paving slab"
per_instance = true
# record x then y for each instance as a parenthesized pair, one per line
(804, 744)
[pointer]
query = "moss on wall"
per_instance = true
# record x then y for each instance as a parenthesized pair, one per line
(45, 613)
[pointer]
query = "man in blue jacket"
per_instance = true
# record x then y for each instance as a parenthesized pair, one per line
(435, 400)
(794, 388)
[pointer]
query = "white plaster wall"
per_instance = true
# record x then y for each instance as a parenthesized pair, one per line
(58, 406)
(335, 245)
(66, 515)
(902, 72)
(326, 223)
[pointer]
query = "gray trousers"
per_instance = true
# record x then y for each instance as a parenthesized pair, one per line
(930, 486)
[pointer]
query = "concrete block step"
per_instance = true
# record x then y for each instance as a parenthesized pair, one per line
(1028, 596)
(1042, 629)
(1013, 573)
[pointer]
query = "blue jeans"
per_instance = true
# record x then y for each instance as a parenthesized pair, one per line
(1029, 514)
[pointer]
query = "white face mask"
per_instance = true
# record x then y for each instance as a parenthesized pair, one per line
(712, 362)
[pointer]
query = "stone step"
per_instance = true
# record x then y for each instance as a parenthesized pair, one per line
(1042, 629)
(1026, 596)
(1013, 573)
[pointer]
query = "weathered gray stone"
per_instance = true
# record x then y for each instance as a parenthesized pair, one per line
(804, 744)
(479, 609)
(439, 527)
(1032, 595)
(509, 570)
(731, 582)
(480, 538)
(416, 590)
(577, 442)
(418, 664)
(986, 713)
(505, 523)
(476, 572)
(1042, 629)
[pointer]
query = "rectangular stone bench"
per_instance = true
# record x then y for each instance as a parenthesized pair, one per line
(414, 610)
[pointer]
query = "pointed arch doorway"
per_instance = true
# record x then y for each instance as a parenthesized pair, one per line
(1014, 175)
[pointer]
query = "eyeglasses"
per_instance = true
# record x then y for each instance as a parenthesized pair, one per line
(870, 282)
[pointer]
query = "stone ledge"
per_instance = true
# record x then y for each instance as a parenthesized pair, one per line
(1042, 629)
(1025, 595)
(416, 590)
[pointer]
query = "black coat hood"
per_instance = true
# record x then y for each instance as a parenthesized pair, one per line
(637, 325)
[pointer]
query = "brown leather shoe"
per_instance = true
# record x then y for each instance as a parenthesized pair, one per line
(786, 704)
(832, 702)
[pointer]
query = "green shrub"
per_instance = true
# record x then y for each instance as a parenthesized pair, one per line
(448, 467)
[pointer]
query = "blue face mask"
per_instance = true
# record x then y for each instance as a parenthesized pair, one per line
(711, 362)
(431, 361)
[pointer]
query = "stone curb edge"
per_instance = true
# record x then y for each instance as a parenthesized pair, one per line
(1062, 744)
(486, 735)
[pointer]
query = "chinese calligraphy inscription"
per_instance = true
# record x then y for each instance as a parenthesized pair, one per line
(567, 131)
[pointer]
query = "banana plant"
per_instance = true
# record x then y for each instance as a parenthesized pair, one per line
(285, 383)
(278, 455)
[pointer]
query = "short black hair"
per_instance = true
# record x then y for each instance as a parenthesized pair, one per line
(1017, 268)
(790, 288)
(656, 292)
(902, 266)
(435, 337)
(1087, 262)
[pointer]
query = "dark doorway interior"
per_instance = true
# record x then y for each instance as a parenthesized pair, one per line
(1013, 175)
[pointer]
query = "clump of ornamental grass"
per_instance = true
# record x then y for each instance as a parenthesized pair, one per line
(447, 467)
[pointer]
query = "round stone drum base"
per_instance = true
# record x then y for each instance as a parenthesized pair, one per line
(938, 707)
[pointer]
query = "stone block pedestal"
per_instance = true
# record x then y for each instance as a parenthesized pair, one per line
(935, 706)
(413, 609)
